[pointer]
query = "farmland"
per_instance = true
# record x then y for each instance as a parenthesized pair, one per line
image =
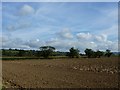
(61, 73)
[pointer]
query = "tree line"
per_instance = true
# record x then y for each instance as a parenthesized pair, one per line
(48, 51)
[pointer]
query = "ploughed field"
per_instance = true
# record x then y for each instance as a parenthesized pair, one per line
(61, 73)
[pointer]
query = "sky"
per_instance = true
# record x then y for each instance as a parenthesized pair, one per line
(29, 25)
(60, 0)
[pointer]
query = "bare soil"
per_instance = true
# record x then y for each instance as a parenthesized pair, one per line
(61, 73)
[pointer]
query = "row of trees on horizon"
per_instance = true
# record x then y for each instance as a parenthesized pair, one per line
(48, 51)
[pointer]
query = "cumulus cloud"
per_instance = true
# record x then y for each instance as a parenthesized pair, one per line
(100, 38)
(84, 36)
(21, 44)
(61, 45)
(100, 42)
(108, 45)
(65, 45)
(91, 37)
(13, 43)
(65, 33)
(36, 43)
(26, 10)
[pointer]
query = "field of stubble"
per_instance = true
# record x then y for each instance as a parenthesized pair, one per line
(61, 73)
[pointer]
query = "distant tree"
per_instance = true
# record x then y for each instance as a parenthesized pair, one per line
(59, 53)
(3, 52)
(10, 49)
(99, 53)
(21, 53)
(38, 53)
(16, 49)
(108, 53)
(47, 51)
(73, 53)
(89, 52)
(119, 54)
(31, 53)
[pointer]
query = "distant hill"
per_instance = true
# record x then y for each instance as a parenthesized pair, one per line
(116, 53)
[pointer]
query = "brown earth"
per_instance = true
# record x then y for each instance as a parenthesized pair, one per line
(61, 73)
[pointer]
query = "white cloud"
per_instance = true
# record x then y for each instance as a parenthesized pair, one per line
(22, 44)
(84, 36)
(65, 45)
(100, 38)
(113, 46)
(112, 30)
(101, 43)
(34, 43)
(95, 42)
(26, 10)
(65, 33)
